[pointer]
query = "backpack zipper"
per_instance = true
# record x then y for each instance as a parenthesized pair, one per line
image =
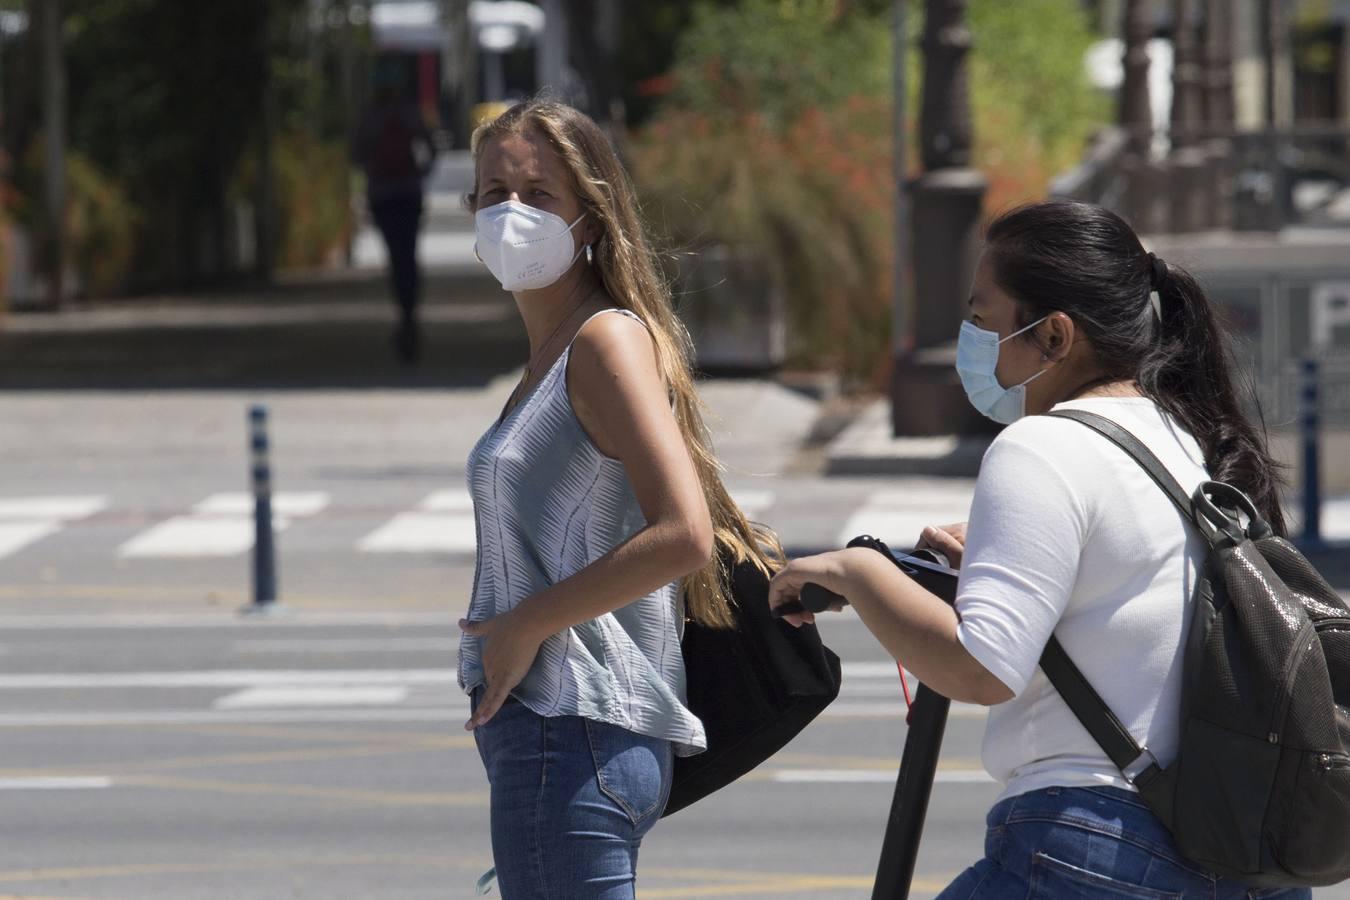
(1329, 762)
(1306, 636)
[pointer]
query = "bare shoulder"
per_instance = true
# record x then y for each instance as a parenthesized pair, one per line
(611, 345)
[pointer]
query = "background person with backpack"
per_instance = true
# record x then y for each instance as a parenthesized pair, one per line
(1070, 538)
(394, 149)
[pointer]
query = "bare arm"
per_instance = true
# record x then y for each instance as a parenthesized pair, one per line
(621, 399)
(914, 625)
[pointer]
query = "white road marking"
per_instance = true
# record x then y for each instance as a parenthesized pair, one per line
(217, 620)
(304, 697)
(897, 517)
(140, 718)
(874, 776)
(442, 523)
(227, 678)
(870, 670)
(192, 536)
(26, 520)
(287, 503)
(220, 525)
(60, 508)
(457, 500)
(753, 502)
(419, 532)
(843, 709)
(1335, 519)
(342, 645)
(14, 536)
(69, 783)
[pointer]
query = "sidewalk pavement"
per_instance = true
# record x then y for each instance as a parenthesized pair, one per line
(333, 330)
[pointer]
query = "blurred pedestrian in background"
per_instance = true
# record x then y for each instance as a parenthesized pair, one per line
(394, 149)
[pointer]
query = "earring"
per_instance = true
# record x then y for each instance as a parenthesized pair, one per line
(589, 255)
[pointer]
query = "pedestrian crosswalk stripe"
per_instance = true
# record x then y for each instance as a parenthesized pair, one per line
(897, 517)
(14, 536)
(49, 508)
(753, 503)
(308, 696)
(26, 520)
(443, 523)
(192, 536)
(220, 525)
(457, 500)
(56, 783)
(874, 776)
(289, 503)
(1335, 519)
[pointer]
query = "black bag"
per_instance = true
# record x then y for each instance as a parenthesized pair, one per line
(1260, 788)
(754, 687)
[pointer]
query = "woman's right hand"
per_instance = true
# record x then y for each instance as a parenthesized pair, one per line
(949, 540)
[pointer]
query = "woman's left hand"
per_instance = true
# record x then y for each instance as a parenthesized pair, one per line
(829, 570)
(508, 651)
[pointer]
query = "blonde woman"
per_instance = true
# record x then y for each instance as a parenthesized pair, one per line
(600, 510)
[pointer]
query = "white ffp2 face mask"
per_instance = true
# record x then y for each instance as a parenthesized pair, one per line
(525, 248)
(976, 363)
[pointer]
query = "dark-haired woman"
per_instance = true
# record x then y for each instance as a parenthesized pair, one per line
(1068, 535)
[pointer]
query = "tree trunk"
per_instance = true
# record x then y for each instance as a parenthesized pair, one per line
(54, 142)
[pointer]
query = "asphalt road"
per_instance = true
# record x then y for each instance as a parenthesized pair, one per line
(305, 758)
(158, 745)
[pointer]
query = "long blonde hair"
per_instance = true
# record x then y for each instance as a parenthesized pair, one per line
(631, 275)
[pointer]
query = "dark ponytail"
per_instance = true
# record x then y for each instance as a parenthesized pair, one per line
(1086, 262)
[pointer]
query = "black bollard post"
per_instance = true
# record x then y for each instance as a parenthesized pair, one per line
(1312, 485)
(264, 546)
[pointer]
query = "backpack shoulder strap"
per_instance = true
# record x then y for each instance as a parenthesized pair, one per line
(1136, 763)
(1137, 451)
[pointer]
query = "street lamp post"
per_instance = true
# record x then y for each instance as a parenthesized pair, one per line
(926, 397)
(900, 326)
(1220, 111)
(1188, 160)
(1135, 116)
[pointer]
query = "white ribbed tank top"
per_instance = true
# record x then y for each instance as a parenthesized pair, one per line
(547, 503)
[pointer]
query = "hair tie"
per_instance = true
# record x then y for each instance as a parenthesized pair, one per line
(1158, 274)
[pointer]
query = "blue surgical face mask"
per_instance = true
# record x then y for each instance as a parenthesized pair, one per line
(976, 363)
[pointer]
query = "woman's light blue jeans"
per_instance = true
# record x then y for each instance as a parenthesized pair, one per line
(1068, 843)
(571, 800)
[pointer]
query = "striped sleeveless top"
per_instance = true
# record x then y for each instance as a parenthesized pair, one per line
(547, 503)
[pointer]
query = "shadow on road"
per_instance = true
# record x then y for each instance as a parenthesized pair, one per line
(308, 331)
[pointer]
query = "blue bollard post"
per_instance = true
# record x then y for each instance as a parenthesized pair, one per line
(264, 547)
(1312, 488)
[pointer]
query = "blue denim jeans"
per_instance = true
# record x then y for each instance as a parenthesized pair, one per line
(1066, 843)
(571, 800)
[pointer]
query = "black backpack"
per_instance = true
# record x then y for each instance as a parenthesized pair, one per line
(1260, 788)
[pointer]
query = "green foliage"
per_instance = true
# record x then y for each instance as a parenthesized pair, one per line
(313, 193)
(775, 58)
(165, 96)
(1033, 105)
(100, 222)
(777, 141)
